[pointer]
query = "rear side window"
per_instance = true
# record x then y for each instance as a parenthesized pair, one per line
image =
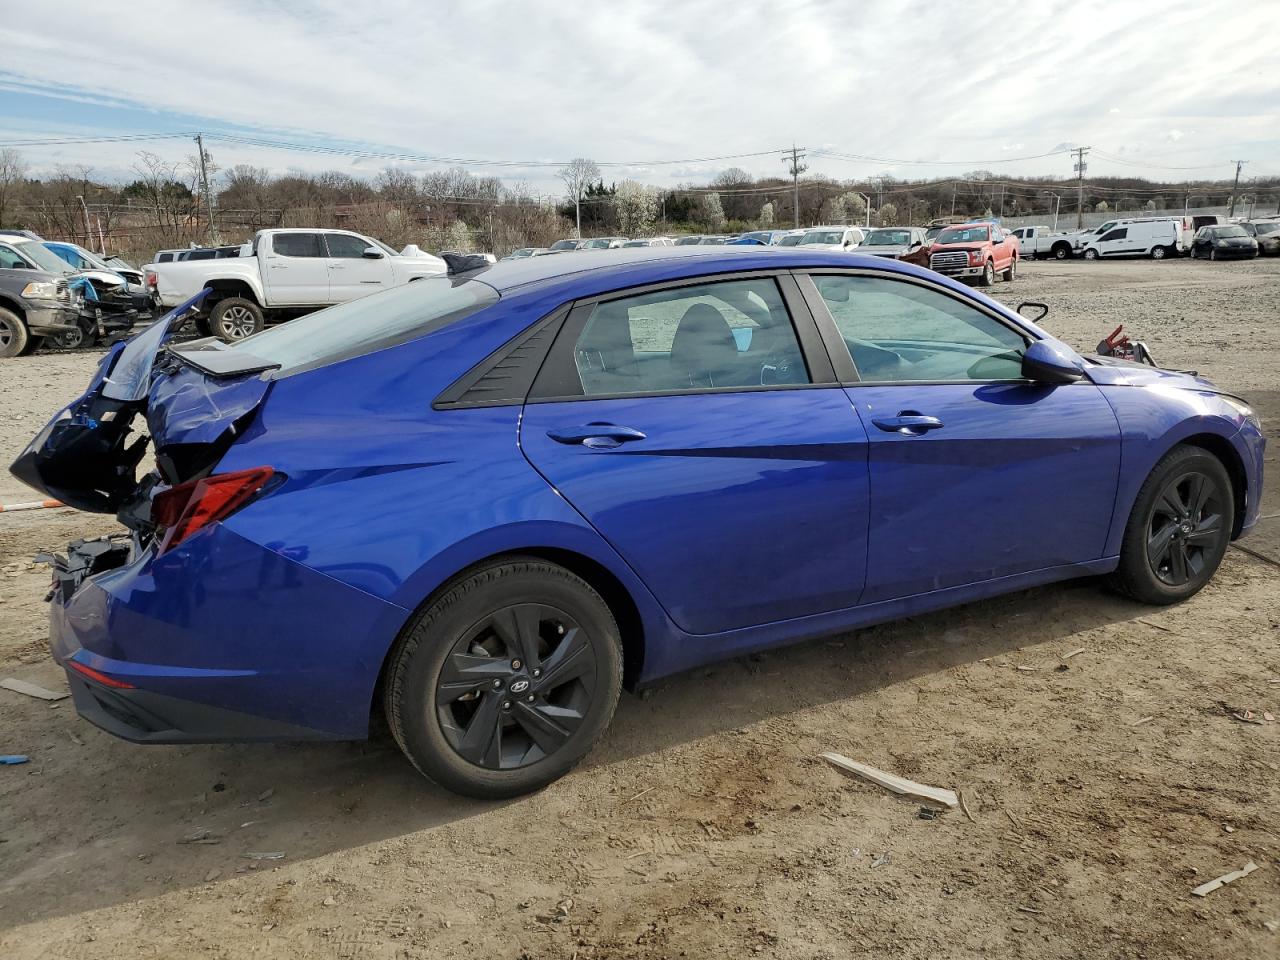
(297, 245)
(370, 323)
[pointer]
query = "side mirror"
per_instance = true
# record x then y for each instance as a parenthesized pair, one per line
(372, 253)
(1052, 363)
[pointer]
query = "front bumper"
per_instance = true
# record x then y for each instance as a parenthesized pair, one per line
(959, 271)
(222, 639)
(51, 319)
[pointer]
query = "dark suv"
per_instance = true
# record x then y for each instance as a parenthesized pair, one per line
(35, 301)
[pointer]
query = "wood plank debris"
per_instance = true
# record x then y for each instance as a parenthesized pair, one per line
(31, 690)
(1074, 653)
(1207, 888)
(892, 782)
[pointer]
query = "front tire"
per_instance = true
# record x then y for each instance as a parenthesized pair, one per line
(988, 275)
(1179, 529)
(14, 335)
(505, 681)
(235, 318)
(1158, 253)
(1091, 254)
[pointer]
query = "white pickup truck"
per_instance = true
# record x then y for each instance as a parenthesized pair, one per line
(1040, 241)
(282, 274)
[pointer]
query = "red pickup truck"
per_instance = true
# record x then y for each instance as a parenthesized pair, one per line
(975, 250)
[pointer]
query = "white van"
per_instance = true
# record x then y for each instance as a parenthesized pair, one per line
(1155, 238)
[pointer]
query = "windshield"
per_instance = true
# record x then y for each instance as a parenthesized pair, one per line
(965, 235)
(886, 238)
(369, 323)
(596, 244)
(565, 245)
(636, 243)
(40, 255)
(791, 240)
(1230, 232)
(823, 236)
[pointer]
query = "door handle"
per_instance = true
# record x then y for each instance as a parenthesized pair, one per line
(598, 436)
(909, 423)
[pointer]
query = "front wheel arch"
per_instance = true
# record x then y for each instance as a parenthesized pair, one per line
(1221, 448)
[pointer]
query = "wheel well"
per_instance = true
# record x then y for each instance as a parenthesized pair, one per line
(610, 588)
(222, 289)
(1221, 448)
(14, 307)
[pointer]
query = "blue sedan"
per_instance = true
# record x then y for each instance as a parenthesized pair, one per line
(486, 503)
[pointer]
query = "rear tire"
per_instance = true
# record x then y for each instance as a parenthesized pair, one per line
(1179, 529)
(235, 318)
(14, 335)
(1012, 271)
(1061, 251)
(506, 680)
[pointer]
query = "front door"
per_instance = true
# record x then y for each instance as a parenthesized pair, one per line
(351, 273)
(685, 425)
(976, 473)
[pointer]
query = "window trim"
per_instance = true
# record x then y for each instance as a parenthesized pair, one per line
(842, 359)
(558, 366)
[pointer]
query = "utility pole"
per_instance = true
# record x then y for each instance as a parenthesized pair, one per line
(1080, 168)
(88, 230)
(797, 168)
(210, 204)
(1235, 187)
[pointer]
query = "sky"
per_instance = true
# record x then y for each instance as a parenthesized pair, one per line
(1170, 90)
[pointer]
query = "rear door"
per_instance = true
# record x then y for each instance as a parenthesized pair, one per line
(696, 426)
(295, 268)
(976, 473)
(351, 273)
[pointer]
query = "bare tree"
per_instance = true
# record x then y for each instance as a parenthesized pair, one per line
(576, 176)
(13, 173)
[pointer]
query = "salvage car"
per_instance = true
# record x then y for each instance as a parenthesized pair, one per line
(893, 242)
(832, 238)
(287, 273)
(1267, 233)
(977, 251)
(34, 304)
(1227, 241)
(484, 503)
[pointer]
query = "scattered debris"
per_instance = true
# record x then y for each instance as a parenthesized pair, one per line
(1207, 888)
(201, 836)
(965, 807)
(889, 781)
(1012, 819)
(927, 813)
(328, 902)
(1269, 717)
(1241, 714)
(277, 855)
(1256, 555)
(1139, 722)
(31, 690)
(212, 875)
(1025, 669)
(639, 795)
(1272, 925)
(1030, 910)
(267, 794)
(881, 860)
(74, 739)
(1152, 623)
(13, 759)
(1074, 653)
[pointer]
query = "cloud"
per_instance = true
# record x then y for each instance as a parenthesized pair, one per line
(669, 79)
(1173, 136)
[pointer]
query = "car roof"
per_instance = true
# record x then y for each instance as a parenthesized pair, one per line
(634, 266)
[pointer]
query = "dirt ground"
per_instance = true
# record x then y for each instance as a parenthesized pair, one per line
(1088, 735)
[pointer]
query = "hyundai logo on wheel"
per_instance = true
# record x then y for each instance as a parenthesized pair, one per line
(520, 686)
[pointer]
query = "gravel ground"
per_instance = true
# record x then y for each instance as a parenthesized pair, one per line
(1103, 784)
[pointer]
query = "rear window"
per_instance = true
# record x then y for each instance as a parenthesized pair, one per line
(370, 323)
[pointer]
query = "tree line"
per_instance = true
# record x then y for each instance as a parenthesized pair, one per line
(162, 204)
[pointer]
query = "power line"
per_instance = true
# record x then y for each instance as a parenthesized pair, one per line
(121, 138)
(862, 158)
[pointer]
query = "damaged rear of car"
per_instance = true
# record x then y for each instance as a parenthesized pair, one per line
(183, 628)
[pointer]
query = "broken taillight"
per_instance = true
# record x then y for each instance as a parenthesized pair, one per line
(184, 509)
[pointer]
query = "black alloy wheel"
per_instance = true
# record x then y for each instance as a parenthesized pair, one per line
(1186, 525)
(516, 686)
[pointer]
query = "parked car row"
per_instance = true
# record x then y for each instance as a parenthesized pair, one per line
(1155, 237)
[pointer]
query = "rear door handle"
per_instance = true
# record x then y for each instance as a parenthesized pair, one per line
(908, 423)
(599, 436)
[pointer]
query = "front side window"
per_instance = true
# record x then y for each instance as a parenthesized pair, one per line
(345, 246)
(9, 260)
(296, 245)
(1115, 235)
(730, 334)
(900, 331)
